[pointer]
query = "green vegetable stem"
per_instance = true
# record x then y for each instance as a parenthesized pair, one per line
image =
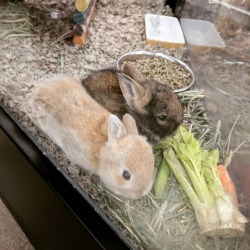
(161, 179)
(196, 171)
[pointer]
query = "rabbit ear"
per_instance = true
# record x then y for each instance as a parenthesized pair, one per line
(130, 124)
(134, 93)
(133, 72)
(115, 128)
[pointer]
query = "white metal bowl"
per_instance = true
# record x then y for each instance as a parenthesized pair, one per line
(145, 53)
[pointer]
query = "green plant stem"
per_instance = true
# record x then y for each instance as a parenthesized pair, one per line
(196, 181)
(178, 170)
(161, 179)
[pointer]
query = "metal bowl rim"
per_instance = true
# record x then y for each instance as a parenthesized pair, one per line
(158, 54)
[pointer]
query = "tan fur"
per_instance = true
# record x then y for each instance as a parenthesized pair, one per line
(106, 85)
(129, 70)
(135, 94)
(73, 105)
(154, 106)
(93, 138)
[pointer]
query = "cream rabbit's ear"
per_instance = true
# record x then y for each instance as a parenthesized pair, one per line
(134, 93)
(130, 125)
(116, 128)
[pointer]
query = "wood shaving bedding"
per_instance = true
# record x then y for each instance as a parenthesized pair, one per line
(116, 27)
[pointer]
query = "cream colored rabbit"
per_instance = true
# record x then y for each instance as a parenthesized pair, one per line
(93, 138)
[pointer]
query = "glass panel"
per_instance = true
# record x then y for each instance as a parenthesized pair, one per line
(37, 44)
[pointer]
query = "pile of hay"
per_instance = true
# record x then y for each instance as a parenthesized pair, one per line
(56, 15)
(116, 27)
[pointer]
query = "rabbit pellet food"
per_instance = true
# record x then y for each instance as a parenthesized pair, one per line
(164, 71)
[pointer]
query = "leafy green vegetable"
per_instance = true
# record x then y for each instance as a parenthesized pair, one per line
(161, 179)
(196, 171)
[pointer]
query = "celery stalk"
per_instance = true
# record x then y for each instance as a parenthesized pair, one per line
(196, 171)
(197, 183)
(211, 175)
(190, 154)
(161, 179)
(177, 168)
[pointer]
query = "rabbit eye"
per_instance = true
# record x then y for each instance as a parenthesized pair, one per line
(126, 175)
(162, 117)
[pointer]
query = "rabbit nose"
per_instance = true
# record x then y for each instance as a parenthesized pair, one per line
(139, 195)
(143, 192)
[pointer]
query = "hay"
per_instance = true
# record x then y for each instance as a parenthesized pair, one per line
(15, 22)
(55, 15)
(116, 28)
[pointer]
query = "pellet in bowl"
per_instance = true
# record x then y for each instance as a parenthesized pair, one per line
(161, 67)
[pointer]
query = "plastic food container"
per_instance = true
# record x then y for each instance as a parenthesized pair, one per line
(201, 33)
(163, 30)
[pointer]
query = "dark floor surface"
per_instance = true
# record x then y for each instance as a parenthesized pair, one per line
(11, 235)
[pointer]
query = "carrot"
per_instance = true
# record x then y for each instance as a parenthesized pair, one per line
(227, 183)
(78, 40)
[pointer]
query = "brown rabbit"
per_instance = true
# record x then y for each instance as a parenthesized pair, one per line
(93, 138)
(154, 106)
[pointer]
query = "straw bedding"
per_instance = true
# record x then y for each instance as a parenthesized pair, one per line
(38, 53)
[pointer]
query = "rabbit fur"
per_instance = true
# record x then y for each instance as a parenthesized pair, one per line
(154, 106)
(93, 138)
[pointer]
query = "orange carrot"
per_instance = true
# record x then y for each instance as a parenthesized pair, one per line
(227, 183)
(78, 40)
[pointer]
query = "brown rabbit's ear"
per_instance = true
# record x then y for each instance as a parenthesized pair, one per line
(130, 125)
(134, 93)
(116, 128)
(133, 72)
